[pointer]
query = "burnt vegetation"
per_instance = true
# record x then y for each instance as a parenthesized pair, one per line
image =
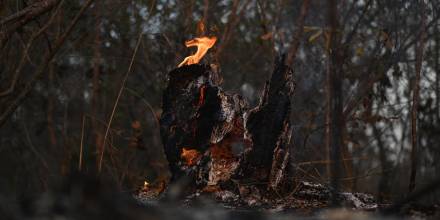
(298, 108)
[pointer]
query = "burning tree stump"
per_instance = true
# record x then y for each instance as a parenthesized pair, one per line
(213, 137)
(198, 117)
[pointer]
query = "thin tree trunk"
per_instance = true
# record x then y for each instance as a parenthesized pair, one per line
(336, 97)
(205, 11)
(328, 117)
(415, 100)
(50, 108)
(383, 182)
(346, 155)
(437, 80)
(437, 70)
(51, 95)
(95, 81)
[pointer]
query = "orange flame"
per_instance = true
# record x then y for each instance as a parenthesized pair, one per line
(203, 44)
(190, 156)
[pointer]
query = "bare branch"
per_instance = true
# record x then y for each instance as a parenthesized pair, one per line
(42, 67)
(23, 17)
(25, 53)
(298, 35)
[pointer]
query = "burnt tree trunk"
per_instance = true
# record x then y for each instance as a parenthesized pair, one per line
(268, 128)
(212, 137)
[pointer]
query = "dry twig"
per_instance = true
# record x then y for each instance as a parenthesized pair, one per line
(101, 156)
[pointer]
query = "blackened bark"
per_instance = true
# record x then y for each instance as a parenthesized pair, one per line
(179, 113)
(268, 128)
(198, 116)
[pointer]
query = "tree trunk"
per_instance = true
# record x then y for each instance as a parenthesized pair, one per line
(415, 100)
(50, 109)
(268, 128)
(437, 71)
(328, 121)
(95, 104)
(383, 182)
(337, 121)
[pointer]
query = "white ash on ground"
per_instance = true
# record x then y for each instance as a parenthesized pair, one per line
(306, 196)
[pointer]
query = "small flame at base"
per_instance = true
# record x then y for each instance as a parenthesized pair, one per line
(203, 44)
(146, 186)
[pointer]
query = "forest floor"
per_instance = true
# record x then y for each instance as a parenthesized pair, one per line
(307, 201)
(90, 199)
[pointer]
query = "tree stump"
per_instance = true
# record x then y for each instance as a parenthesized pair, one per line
(212, 137)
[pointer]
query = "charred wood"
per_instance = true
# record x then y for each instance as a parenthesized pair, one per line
(268, 129)
(202, 127)
(198, 119)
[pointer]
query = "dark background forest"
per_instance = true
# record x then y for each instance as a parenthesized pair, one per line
(63, 65)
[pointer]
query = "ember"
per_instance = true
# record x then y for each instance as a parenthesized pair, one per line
(146, 186)
(190, 156)
(202, 96)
